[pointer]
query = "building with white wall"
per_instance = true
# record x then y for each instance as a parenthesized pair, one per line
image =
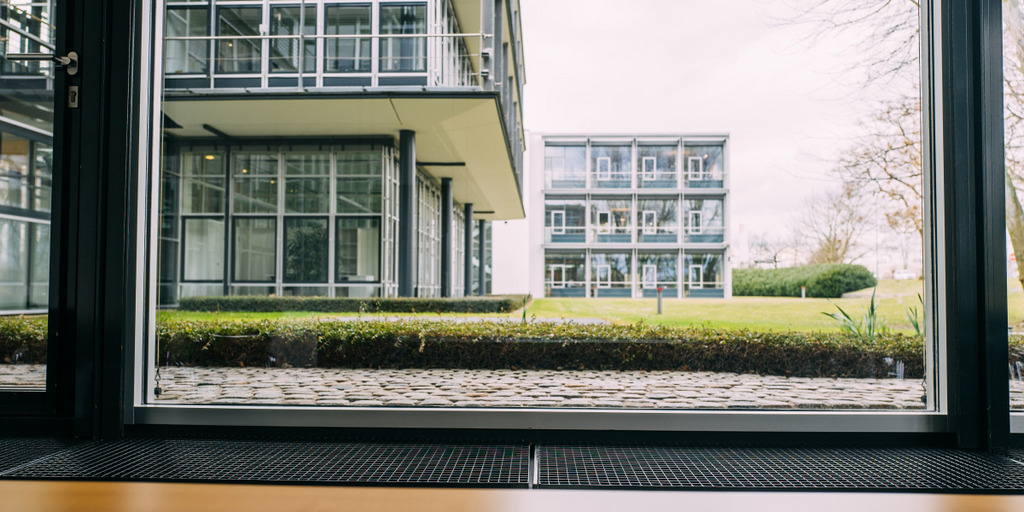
(624, 215)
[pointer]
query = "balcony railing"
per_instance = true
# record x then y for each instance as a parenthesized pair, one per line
(429, 60)
(565, 234)
(705, 235)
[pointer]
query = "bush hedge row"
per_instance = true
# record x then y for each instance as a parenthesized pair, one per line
(831, 281)
(489, 345)
(491, 304)
(486, 345)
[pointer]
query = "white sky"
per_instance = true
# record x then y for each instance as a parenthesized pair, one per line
(682, 66)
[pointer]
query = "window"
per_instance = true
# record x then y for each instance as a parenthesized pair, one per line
(401, 53)
(565, 166)
(289, 55)
(695, 168)
(204, 249)
(558, 222)
(603, 276)
(305, 250)
(696, 227)
(187, 55)
(255, 249)
(358, 250)
(243, 53)
(347, 54)
(696, 276)
(650, 276)
(650, 222)
(604, 168)
(649, 168)
(604, 222)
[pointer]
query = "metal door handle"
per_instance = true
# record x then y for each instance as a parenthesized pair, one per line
(69, 61)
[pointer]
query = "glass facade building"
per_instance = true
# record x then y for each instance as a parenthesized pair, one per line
(622, 216)
(326, 166)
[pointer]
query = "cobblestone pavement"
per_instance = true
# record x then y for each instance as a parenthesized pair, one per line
(520, 388)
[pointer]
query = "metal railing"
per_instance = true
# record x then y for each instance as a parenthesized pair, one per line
(443, 59)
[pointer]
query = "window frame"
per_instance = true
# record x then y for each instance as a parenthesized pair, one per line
(962, 89)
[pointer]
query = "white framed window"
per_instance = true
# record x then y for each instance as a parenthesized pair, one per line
(648, 168)
(604, 276)
(649, 222)
(695, 168)
(558, 222)
(650, 277)
(696, 276)
(604, 222)
(556, 275)
(604, 168)
(695, 223)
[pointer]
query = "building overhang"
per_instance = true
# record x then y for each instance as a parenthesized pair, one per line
(459, 135)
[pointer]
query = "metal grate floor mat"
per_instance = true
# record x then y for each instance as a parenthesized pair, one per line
(505, 465)
(16, 451)
(854, 469)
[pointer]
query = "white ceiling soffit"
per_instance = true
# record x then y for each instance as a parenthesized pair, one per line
(450, 131)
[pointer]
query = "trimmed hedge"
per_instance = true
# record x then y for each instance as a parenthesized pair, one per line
(491, 304)
(488, 345)
(23, 339)
(831, 280)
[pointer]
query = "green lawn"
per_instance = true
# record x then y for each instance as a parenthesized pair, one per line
(756, 313)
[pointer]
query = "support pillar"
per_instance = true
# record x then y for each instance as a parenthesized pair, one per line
(447, 204)
(406, 213)
(482, 257)
(467, 268)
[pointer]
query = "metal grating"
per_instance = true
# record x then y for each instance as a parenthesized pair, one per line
(503, 465)
(15, 451)
(860, 469)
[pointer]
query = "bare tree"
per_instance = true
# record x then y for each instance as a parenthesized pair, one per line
(766, 250)
(891, 52)
(833, 223)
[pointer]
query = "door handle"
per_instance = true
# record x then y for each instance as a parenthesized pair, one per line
(69, 61)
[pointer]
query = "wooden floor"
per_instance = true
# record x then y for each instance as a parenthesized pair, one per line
(143, 497)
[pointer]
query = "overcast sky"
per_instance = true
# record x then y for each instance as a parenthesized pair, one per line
(682, 66)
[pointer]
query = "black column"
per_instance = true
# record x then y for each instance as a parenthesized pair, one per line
(406, 213)
(467, 284)
(482, 269)
(447, 203)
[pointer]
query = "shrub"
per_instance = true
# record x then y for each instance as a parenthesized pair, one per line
(831, 281)
(488, 345)
(492, 304)
(23, 339)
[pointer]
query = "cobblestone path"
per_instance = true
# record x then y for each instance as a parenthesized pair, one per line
(520, 388)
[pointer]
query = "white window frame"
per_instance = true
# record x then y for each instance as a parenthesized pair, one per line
(696, 222)
(698, 284)
(558, 228)
(649, 279)
(606, 174)
(606, 227)
(645, 229)
(607, 282)
(648, 172)
(698, 174)
(557, 283)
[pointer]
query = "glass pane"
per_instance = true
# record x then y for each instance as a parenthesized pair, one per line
(359, 195)
(203, 182)
(204, 250)
(610, 166)
(255, 249)
(656, 166)
(565, 220)
(241, 54)
(657, 220)
(347, 54)
(186, 55)
(565, 166)
(288, 54)
(358, 250)
(1013, 99)
(404, 54)
(255, 182)
(43, 177)
(305, 250)
(14, 172)
(360, 162)
(704, 166)
(13, 264)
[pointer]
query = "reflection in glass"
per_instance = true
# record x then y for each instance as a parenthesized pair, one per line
(241, 54)
(656, 166)
(610, 276)
(182, 55)
(657, 220)
(255, 245)
(287, 54)
(408, 54)
(610, 166)
(358, 250)
(565, 274)
(704, 220)
(13, 264)
(610, 220)
(359, 195)
(347, 55)
(565, 166)
(658, 270)
(204, 250)
(565, 220)
(704, 166)
(703, 275)
(305, 250)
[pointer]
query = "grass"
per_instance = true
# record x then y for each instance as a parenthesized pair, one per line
(755, 313)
